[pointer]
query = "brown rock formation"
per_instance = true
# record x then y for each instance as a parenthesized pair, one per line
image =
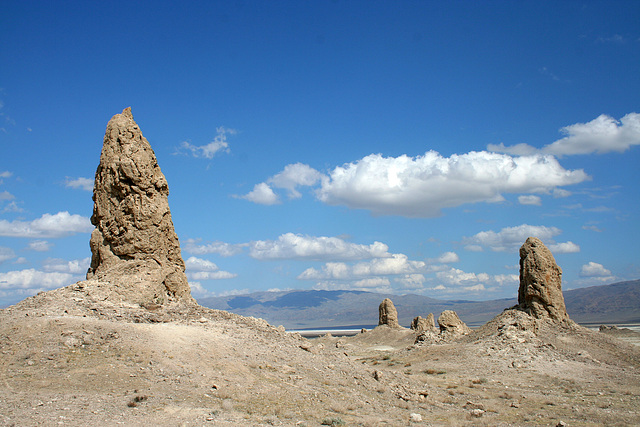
(420, 324)
(540, 292)
(451, 325)
(388, 315)
(134, 246)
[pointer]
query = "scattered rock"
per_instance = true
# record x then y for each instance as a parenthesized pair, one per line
(540, 292)
(134, 245)
(415, 418)
(388, 315)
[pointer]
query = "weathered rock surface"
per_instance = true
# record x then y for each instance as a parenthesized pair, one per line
(134, 245)
(420, 324)
(388, 315)
(540, 292)
(451, 325)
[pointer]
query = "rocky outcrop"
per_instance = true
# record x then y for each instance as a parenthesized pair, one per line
(451, 325)
(134, 246)
(451, 328)
(540, 291)
(420, 324)
(388, 315)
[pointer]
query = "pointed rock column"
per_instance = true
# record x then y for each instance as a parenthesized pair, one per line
(134, 245)
(540, 292)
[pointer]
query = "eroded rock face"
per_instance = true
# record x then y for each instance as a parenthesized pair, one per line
(134, 245)
(388, 315)
(451, 325)
(540, 292)
(420, 324)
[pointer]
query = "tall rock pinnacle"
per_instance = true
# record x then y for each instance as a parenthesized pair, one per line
(387, 314)
(134, 245)
(540, 292)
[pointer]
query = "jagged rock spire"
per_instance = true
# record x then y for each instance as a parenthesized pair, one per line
(134, 245)
(540, 291)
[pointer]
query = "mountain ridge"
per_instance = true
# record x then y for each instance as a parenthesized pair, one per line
(302, 309)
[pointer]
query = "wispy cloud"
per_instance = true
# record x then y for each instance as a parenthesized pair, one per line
(546, 72)
(12, 207)
(47, 226)
(5, 195)
(224, 249)
(6, 254)
(40, 246)
(81, 183)
(208, 151)
(530, 200)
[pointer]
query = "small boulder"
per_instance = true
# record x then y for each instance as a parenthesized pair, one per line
(388, 315)
(540, 291)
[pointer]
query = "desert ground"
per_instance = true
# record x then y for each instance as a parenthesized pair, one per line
(69, 357)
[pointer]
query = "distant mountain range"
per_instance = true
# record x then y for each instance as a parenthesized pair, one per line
(611, 304)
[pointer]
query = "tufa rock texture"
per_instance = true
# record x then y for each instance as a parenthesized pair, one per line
(388, 315)
(420, 324)
(540, 292)
(451, 325)
(134, 246)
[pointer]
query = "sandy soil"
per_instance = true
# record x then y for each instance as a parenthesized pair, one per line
(69, 359)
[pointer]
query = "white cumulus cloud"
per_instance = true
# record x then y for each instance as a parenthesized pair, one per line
(34, 280)
(424, 185)
(261, 194)
(448, 258)
(603, 134)
(47, 226)
(295, 175)
(202, 269)
(564, 248)
(509, 238)
(593, 269)
(296, 246)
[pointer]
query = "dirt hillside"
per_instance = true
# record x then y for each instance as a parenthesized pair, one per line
(69, 357)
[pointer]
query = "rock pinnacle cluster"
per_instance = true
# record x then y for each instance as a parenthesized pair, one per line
(134, 245)
(540, 291)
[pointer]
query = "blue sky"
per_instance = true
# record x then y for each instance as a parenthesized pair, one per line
(395, 146)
